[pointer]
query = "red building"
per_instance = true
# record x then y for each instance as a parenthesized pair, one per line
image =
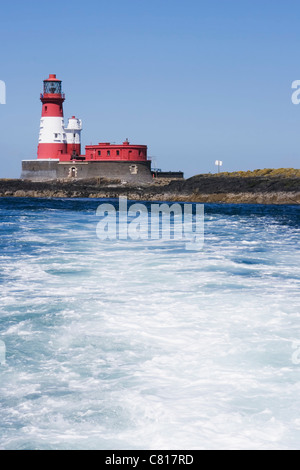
(123, 152)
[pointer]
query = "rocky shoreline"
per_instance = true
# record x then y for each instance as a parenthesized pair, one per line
(201, 188)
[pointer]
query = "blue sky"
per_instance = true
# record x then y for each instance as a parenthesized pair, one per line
(194, 80)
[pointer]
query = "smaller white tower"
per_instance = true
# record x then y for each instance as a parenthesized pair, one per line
(73, 133)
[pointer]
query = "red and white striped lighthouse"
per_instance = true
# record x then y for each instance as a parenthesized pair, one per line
(52, 138)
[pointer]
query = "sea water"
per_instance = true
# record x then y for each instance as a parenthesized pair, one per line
(143, 344)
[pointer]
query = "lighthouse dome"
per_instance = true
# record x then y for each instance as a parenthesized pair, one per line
(74, 124)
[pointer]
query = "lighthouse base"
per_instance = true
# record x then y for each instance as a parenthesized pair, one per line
(48, 170)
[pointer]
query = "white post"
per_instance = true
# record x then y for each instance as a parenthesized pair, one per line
(219, 163)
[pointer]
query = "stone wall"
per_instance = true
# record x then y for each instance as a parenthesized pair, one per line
(39, 170)
(127, 171)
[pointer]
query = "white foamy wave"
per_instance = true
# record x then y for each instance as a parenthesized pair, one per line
(146, 345)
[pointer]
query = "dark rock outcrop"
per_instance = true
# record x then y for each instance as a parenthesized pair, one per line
(201, 188)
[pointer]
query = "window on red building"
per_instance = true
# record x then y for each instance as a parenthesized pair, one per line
(108, 153)
(99, 153)
(118, 153)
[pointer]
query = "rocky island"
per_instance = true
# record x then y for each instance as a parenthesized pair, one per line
(267, 186)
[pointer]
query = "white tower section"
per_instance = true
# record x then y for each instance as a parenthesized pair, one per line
(52, 130)
(73, 135)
